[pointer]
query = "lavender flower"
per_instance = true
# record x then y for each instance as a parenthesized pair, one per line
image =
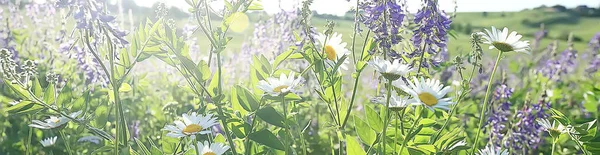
(525, 135)
(432, 30)
(87, 64)
(384, 27)
(557, 66)
(595, 48)
(595, 42)
(499, 117)
(90, 16)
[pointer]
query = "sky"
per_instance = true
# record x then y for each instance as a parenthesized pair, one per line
(340, 7)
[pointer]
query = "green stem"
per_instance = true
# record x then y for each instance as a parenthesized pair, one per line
(349, 110)
(220, 108)
(411, 129)
(396, 133)
(578, 144)
(284, 121)
(553, 145)
(485, 102)
(28, 145)
(387, 115)
(178, 144)
(453, 111)
(66, 141)
(196, 147)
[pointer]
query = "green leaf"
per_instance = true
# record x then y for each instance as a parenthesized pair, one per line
(204, 70)
(49, 97)
(125, 88)
(282, 57)
(265, 137)
(365, 133)
(246, 99)
(559, 116)
(80, 103)
(143, 148)
(353, 147)
(17, 89)
(427, 122)
(415, 132)
(373, 119)
(271, 116)
(21, 106)
(220, 139)
(101, 114)
(255, 5)
(214, 82)
(36, 88)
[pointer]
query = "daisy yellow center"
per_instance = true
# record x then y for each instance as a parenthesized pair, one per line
(330, 51)
(504, 47)
(56, 120)
(209, 153)
(279, 88)
(428, 99)
(192, 128)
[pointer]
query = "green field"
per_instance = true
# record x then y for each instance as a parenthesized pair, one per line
(558, 24)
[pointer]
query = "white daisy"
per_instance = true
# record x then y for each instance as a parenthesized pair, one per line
(53, 122)
(398, 103)
(552, 128)
(505, 42)
(212, 149)
(428, 92)
(390, 70)
(283, 85)
(335, 49)
(48, 141)
(191, 125)
(492, 151)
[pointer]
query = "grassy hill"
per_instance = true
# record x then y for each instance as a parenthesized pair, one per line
(527, 22)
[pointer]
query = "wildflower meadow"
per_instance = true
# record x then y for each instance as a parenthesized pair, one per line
(214, 77)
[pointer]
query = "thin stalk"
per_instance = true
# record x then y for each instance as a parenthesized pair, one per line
(284, 121)
(28, 145)
(485, 101)
(387, 115)
(220, 107)
(411, 129)
(396, 133)
(578, 144)
(178, 144)
(65, 140)
(553, 145)
(453, 111)
(356, 25)
(248, 143)
(349, 110)
(196, 148)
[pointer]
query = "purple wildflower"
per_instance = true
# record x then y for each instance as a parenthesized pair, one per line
(499, 117)
(560, 65)
(432, 30)
(88, 65)
(90, 16)
(595, 42)
(384, 27)
(525, 135)
(595, 48)
(135, 129)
